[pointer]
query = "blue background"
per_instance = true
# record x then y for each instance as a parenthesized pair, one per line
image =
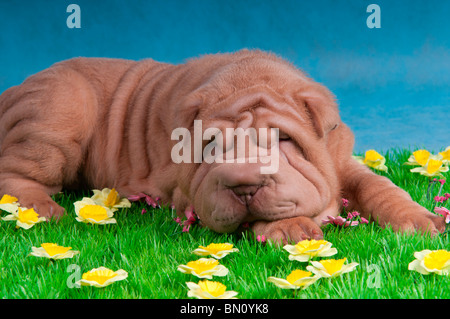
(392, 83)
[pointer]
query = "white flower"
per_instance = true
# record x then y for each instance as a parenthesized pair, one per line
(53, 251)
(306, 249)
(431, 261)
(101, 277)
(431, 168)
(88, 211)
(295, 280)
(420, 157)
(373, 159)
(109, 198)
(9, 203)
(206, 289)
(217, 251)
(26, 218)
(204, 268)
(331, 267)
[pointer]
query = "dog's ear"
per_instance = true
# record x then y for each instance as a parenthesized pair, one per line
(321, 108)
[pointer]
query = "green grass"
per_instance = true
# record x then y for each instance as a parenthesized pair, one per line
(150, 246)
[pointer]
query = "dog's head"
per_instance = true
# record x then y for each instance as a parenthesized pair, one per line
(256, 142)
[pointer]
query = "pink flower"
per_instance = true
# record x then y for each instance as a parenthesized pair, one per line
(150, 201)
(143, 211)
(344, 202)
(352, 215)
(191, 218)
(364, 221)
(447, 196)
(135, 198)
(190, 215)
(442, 181)
(444, 212)
(353, 223)
(147, 198)
(261, 238)
(339, 221)
(439, 199)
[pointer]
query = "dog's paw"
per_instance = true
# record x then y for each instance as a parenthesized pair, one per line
(43, 205)
(290, 230)
(419, 220)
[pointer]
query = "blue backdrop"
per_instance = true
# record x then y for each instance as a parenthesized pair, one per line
(392, 83)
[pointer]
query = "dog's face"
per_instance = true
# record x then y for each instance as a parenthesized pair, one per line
(273, 174)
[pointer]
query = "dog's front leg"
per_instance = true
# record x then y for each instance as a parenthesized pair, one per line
(377, 198)
(289, 230)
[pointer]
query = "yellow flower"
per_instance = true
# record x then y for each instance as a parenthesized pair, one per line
(419, 157)
(9, 203)
(432, 168)
(206, 289)
(331, 267)
(430, 165)
(89, 212)
(217, 251)
(373, 159)
(109, 198)
(445, 155)
(431, 261)
(53, 251)
(295, 280)
(26, 218)
(307, 249)
(101, 277)
(204, 268)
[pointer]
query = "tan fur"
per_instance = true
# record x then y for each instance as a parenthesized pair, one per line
(97, 123)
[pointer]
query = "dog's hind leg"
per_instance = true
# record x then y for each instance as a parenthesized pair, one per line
(44, 125)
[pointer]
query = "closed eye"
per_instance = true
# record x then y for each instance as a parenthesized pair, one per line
(284, 137)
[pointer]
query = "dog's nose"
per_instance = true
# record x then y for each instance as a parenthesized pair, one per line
(245, 192)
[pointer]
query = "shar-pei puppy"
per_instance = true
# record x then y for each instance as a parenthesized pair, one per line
(161, 129)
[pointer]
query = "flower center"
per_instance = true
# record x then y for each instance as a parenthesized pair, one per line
(215, 248)
(433, 166)
(436, 259)
(95, 212)
(332, 265)
(99, 276)
(213, 287)
(421, 156)
(309, 246)
(28, 216)
(53, 249)
(296, 275)
(7, 199)
(112, 199)
(201, 266)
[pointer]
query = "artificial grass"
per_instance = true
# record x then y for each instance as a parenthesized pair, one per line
(150, 246)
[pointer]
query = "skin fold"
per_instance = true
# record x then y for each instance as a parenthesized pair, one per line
(97, 122)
